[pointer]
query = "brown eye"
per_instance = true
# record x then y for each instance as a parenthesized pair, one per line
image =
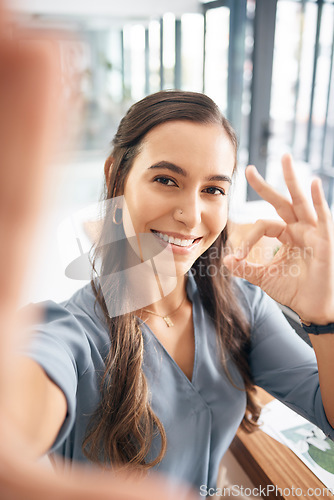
(165, 180)
(215, 191)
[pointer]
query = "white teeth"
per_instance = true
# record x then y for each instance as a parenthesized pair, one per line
(175, 241)
(186, 243)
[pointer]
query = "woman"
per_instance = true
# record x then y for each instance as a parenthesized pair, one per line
(142, 379)
(114, 375)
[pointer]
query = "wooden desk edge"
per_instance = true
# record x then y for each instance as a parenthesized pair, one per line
(270, 463)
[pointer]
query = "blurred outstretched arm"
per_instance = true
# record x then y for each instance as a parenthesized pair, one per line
(32, 408)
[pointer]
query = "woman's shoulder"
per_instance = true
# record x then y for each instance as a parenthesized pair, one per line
(256, 304)
(74, 323)
(82, 304)
(250, 294)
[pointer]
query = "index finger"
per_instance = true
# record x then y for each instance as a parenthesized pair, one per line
(281, 204)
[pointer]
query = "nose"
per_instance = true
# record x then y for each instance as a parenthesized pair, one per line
(189, 211)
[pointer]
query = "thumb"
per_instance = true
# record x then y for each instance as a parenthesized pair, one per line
(244, 269)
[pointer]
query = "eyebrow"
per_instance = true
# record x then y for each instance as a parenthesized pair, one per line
(166, 165)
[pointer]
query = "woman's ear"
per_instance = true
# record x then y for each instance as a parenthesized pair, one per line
(107, 168)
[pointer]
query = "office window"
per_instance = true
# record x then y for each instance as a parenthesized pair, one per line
(286, 68)
(308, 27)
(168, 50)
(322, 91)
(114, 56)
(192, 40)
(247, 81)
(301, 110)
(154, 56)
(134, 61)
(216, 55)
(298, 110)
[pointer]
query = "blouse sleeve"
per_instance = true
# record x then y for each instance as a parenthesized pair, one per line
(281, 362)
(60, 346)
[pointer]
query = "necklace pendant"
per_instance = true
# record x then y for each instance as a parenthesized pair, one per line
(168, 321)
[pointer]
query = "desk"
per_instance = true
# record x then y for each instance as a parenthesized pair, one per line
(268, 462)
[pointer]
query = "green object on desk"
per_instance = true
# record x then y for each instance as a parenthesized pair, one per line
(323, 458)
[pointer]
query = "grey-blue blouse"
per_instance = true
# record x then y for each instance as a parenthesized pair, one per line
(200, 416)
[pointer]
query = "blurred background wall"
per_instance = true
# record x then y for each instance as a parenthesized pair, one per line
(267, 63)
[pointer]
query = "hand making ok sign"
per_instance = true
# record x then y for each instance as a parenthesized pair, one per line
(301, 275)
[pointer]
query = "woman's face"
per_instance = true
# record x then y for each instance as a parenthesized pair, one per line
(176, 190)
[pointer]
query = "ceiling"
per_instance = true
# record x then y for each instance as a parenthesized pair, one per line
(135, 9)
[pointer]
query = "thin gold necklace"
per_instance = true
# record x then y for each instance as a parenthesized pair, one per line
(166, 317)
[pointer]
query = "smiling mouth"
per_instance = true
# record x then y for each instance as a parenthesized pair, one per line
(176, 241)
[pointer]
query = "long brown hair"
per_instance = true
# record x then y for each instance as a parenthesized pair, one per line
(122, 429)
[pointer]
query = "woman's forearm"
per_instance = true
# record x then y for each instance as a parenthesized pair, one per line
(35, 407)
